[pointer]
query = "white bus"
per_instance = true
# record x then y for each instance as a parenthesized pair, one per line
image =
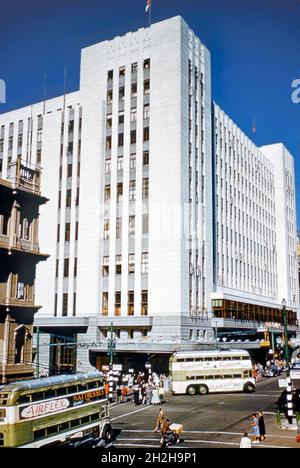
(202, 372)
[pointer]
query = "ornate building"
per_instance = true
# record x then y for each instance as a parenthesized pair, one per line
(20, 199)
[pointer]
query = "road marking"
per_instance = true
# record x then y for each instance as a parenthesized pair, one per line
(210, 442)
(132, 412)
(208, 433)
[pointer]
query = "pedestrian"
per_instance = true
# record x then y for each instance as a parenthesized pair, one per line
(136, 395)
(160, 420)
(165, 427)
(155, 397)
(255, 429)
(161, 394)
(245, 442)
(262, 426)
(119, 395)
(149, 395)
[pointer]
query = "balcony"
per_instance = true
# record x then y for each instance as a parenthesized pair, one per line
(17, 245)
(13, 302)
(24, 176)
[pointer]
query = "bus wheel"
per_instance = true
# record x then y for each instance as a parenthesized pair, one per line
(107, 434)
(203, 390)
(191, 390)
(249, 388)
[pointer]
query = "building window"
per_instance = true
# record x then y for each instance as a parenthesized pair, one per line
(131, 303)
(38, 157)
(75, 267)
(132, 162)
(76, 230)
(133, 137)
(133, 114)
(106, 229)
(118, 264)
(69, 199)
(119, 228)
(120, 163)
(119, 192)
(131, 226)
(68, 232)
(105, 268)
(66, 267)
(134, 67)
(117, 303)
(146, 158)
(144, 309)
(121, 140)
(146, 134)
(108, 142)
(134, 90)
(55, 305)
(107, 194)
(74, 304)
(121, 117)
(131, 264)
(109, 121)
(144, 264)
(56, 268)
(70, 148)
(122, 94)
(109, 96)
(132, 190)
(65, 305)
(146, 86)
(58, 233)
(110, 75)
(122, 71)
(21, 291)
(107, 166)
(105, 304)
(147, 111)
(145, 188)
(147, 64)
(77, 196)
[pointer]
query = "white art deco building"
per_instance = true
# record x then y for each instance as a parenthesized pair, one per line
(163, 214)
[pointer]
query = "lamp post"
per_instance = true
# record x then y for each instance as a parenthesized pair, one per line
(111, 347)
(286, 339)
(289, 394)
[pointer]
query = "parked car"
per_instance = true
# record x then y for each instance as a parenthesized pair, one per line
(282, 401)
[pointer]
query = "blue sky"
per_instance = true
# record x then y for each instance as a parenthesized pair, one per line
(255, 47)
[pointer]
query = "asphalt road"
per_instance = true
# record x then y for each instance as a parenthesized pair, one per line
(211, 421)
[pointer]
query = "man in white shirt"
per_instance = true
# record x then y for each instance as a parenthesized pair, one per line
(245, 442)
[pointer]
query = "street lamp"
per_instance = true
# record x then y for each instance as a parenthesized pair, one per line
(111, 347)
(289, 394)
(286, 340)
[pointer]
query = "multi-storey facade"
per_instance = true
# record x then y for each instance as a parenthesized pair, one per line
(162, 213)
(20, 199)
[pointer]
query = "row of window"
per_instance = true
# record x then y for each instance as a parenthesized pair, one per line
(131, 227)
(66, 426)
(132, 162)
(133, 138)
(133, 116)
(131, 264)
(134, 69)
(130, 303)
(67, 237)
(109, 97)
(132, 190)
(214, 359)
(65, 304)
(244, 375)
(68, 198)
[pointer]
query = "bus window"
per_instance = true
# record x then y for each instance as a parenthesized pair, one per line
(1, 439)
(3, 399)
(73, 389)
(199, 359)
(24, 399)
(64, 426)
(75, 423)
(85, 420)
(37, 396)
(91, 385)
(180, 360)
(95, 417)
(61, 391)
(39, 434)
(209, 359)
(227, 358)
(52, 430)
(51, 393)
(189, 360)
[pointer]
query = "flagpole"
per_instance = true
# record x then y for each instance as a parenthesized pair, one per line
(150, 11)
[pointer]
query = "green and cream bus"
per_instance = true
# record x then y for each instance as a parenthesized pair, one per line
(43, 412)
(203, 372)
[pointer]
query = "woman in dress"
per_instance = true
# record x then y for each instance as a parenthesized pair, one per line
(262, 426)
(155, 396)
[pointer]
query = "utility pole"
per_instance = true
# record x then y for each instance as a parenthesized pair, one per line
(289, 393)
(111, 347)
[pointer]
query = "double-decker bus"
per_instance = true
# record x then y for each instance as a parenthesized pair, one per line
(211, 371)
(46, 411)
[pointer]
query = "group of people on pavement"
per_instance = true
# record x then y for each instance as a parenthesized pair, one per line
(151, 390)
(258, 432)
